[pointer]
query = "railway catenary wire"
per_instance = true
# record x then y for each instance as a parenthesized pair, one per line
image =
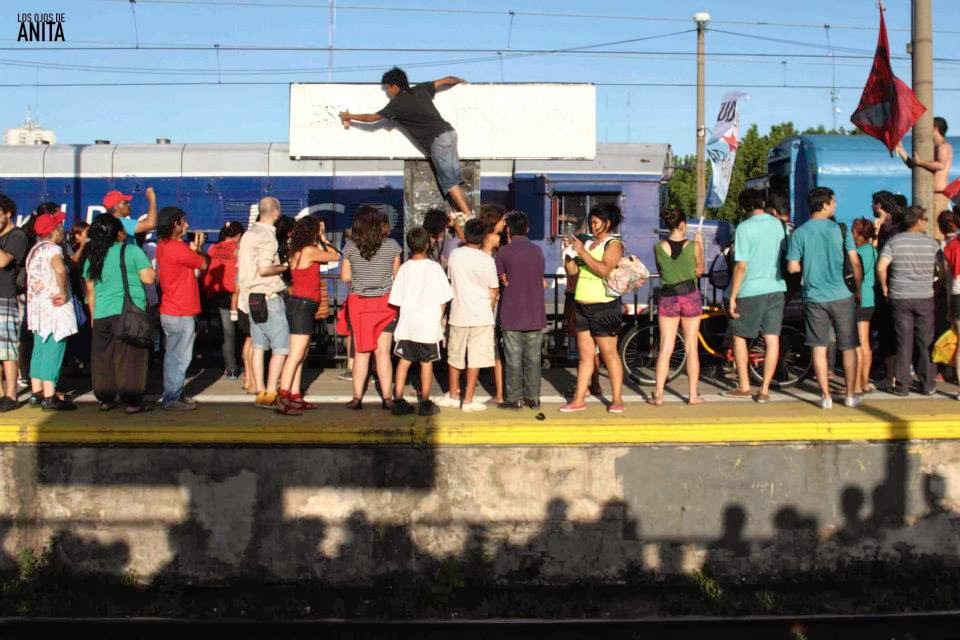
(341, 6)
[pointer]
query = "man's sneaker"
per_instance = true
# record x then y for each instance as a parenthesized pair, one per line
(232, 374)
(852, 401)
(179, 405)
(345, 375)
(56, 404)
(266, 400)
(447, 402)
(7, 404)
(189, 400)
(509, 405)
(428, 408)
(401, 407)
(826, 403)
(473, 407)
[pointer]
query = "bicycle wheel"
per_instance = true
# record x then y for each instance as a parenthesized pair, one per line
(638, 351)
(794, 361)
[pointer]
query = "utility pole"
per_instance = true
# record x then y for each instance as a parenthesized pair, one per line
(922, 52)
(701, 19)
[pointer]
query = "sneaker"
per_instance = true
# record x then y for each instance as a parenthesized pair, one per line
(826, 403)
(35, 400)
(232, 374)
(266, 400)
(179, 405)
(345, 375)
(56, 404)
(572, 408)
(447, 402)
(7, 404)
(509, 405)
(852, 401)
(532, 404)
(900, 391)
(428, 408)
(473, 407)
(616, 408)
(401, 407)
(189, 400)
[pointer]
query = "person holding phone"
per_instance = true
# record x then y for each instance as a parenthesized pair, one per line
(180, 304)
(598, 315)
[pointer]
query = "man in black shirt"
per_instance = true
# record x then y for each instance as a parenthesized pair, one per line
(13, 251)
(413, 109)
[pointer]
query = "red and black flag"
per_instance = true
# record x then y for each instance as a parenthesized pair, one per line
(888, 108)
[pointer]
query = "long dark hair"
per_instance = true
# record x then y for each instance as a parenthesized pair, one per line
(284, 226)
(367, 231)
(305, 233)
(104, 232)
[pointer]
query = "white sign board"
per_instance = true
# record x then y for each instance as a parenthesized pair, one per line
(508, 121)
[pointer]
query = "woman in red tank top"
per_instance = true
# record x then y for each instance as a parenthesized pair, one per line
(305, 304)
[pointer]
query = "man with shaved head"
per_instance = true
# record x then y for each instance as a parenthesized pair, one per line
(260, 286)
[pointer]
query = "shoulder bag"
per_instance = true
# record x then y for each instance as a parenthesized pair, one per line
(137, 328)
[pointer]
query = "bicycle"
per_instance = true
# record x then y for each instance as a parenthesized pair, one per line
(640, 345)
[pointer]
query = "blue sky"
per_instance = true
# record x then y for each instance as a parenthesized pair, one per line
(624, 113)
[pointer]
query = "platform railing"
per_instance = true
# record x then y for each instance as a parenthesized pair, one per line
(327, 347)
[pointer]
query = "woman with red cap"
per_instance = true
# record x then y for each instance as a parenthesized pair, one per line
(50, 313)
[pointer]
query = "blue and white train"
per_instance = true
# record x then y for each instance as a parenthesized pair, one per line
(216, 183)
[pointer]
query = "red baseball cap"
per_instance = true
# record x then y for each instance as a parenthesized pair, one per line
(114, 198)
(47, 222)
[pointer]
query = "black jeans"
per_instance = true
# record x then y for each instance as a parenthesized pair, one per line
(913, 323)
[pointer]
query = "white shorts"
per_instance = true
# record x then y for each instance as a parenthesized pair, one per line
(471, 347)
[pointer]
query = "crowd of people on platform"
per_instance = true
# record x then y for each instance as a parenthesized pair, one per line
(469, 292)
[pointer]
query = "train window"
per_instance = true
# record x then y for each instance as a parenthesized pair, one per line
(574, 208)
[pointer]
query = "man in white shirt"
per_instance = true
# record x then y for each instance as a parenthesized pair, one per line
(470, 347)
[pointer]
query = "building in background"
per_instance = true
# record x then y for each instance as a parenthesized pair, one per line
(29, 132)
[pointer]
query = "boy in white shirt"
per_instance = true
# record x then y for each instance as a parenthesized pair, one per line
(473, 275)
(421, 291)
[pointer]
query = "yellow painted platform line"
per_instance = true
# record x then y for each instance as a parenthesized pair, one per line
(673, 423)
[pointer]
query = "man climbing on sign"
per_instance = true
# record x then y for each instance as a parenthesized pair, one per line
(413, 109)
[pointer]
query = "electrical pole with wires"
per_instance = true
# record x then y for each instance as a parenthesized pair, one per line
(921, 48)
(701, 19)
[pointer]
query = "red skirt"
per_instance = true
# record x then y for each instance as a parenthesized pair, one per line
(369, 317)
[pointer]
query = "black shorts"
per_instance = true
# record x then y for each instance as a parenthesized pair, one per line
(865, 314)
(243, 323)
(300, 315)
(831, 321)
(417, 351)
(955, 306)
(601, 319)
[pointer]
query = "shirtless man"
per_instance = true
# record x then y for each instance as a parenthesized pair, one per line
(939, 166)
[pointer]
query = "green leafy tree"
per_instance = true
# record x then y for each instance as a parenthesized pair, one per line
(751, 161)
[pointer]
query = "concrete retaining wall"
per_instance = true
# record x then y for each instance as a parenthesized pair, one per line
(558, 515)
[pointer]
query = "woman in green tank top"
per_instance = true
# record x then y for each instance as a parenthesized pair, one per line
(598, 316)
(680, 263)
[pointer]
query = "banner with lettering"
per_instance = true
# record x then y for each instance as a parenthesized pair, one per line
(722, 148)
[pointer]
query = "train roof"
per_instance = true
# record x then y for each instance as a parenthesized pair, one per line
(273, 159)
(857, 155)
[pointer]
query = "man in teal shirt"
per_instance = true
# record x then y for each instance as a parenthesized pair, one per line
(757, 290)
(819, 244)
